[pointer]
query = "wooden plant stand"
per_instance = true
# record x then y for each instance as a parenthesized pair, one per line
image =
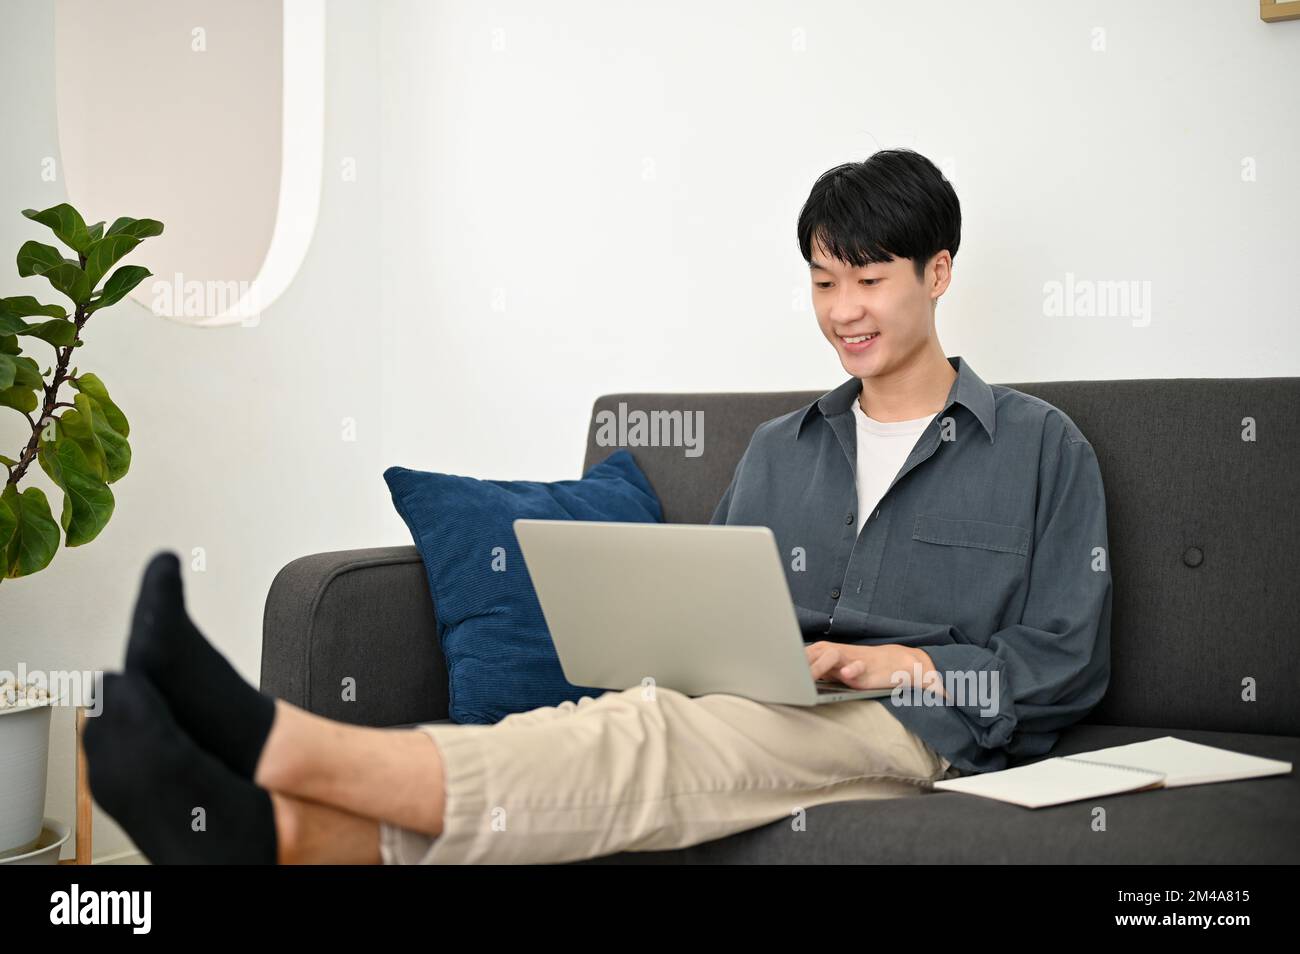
(84, 804)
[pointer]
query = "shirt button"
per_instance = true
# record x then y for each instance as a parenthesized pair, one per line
(849, 519)
(835, 593)
(1193, 556)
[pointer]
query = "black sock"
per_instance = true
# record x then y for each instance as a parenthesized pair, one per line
(210, 700)
(153, 780)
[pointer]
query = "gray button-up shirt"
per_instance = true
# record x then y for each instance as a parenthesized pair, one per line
(988, 551)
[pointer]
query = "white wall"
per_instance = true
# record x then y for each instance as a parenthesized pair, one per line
(551, 206)
(236, 431)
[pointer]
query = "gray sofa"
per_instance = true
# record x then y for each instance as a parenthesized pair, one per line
(1205, 541)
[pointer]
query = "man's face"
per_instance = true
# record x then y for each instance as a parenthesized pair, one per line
(886, 299)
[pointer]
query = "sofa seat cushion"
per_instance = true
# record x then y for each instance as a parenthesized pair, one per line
(1248, 822)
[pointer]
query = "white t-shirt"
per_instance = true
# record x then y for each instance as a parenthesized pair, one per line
(883, 447)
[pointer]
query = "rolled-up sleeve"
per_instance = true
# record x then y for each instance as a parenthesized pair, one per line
(1047, 671)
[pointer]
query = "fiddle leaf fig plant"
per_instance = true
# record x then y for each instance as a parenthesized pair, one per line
(81, 440)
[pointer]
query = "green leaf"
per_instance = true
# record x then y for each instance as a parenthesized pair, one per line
(118, 286)
(24, 399)
(104, 254)
(70, 280)
(12, 311)
(91, 385)
(35, 536)
(12, 325)
(19, 372)
(25, 306)
(107, 451)
(7, 521)
(20, 392)
(57, 331)
(140, 228)
(27, 373)
(87, 501)
(73, 426)
(68, 225)
(36, 259)
(96, 231)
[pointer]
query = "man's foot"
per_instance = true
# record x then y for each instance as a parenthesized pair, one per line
(210, 700)
(179, 804)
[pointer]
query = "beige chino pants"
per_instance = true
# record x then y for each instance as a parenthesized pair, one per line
(648, 769)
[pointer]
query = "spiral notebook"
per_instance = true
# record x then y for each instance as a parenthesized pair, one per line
(1166, 762)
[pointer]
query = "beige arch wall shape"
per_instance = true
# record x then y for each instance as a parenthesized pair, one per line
(208, 115)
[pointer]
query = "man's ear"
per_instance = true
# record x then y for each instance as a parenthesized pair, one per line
(941, 263)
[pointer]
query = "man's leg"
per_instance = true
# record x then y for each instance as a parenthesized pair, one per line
(622, 771)
(626, 771)
(638, 771)
(391, 775)
(314, 833)
(388, 774)
(197, 809)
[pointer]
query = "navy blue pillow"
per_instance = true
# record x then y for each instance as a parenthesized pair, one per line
(500, 657)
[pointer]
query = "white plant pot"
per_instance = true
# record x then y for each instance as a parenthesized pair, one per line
(24, 761)
(47, 849)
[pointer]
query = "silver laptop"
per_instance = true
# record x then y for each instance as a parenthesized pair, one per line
(698, 608)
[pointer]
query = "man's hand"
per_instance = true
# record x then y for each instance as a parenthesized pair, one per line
(870, 667)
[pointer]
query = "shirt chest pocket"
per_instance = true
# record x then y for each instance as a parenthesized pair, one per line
(962, 572)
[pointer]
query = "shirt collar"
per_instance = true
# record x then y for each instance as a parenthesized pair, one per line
(968, 390)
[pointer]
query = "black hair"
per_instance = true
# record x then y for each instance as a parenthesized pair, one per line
(895, 204)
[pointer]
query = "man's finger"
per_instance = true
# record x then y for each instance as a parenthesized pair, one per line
(825, 662)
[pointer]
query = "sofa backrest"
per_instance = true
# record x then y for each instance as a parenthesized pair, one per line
(1204, 530)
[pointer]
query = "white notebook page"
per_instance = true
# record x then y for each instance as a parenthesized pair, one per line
(1187, 763)
(1051, 782)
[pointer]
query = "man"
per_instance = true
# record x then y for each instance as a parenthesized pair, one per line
(944, 538)
(966, 494)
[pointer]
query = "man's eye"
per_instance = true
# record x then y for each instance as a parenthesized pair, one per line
(822, 284)
(871, 279)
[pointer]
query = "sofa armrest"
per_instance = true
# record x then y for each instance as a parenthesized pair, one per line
(359, 615)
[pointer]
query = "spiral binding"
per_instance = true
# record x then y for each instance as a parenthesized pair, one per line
(1127, 768)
